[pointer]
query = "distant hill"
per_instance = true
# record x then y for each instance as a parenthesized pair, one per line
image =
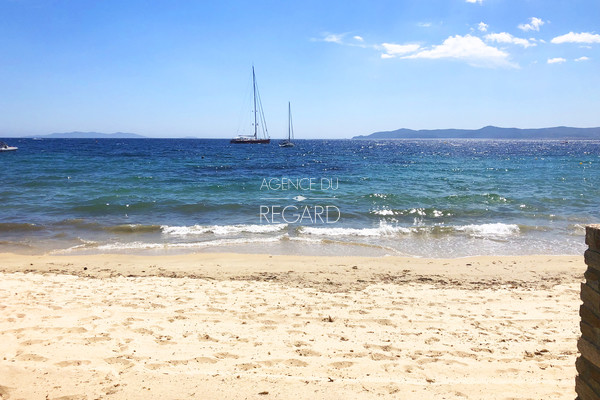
(488, 132)
(91, 135)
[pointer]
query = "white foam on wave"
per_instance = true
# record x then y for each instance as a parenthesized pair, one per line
(208, 243)
(489, 230)
(493, 230)
(382, 230)
(220, 229)
(383, 212)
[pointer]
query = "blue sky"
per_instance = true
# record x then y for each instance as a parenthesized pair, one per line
(178, 68)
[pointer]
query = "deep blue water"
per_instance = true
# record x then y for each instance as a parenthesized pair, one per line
(438, 198)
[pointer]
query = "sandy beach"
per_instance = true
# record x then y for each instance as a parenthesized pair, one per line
(232, 326)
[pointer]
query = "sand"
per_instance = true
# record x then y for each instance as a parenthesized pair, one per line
(231, 326)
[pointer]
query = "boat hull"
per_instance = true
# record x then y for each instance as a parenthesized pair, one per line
(8, 148)
(250, 141)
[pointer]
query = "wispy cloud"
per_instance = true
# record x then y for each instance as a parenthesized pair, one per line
(584, 58)
(556, 60)
(474, 1)
(341, 39)
(505, 37)
(424, 24)
(533, 25)
(394, 50)
(334, 38)
(482, 26)
(572, 37)
(470, 49)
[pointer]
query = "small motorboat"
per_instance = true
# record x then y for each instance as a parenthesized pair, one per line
(5, 147)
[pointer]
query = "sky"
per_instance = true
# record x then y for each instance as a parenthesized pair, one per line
(183, 68)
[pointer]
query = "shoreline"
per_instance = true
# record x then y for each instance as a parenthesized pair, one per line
(223, 266)
(232, 326)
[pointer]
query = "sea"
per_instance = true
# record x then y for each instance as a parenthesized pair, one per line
(419, 198)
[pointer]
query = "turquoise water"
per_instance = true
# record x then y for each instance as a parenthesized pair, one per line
(436, 198)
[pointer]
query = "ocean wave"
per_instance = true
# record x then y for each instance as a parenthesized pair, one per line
(208, 243)
(19, 227)
(325, 241)
(576, 229)
(493, 230)
(80, 223)
(382, 230)
(489, 230)
(220, 229)
(9, 243)
(418, 211)
(133, 228)
(487, 198)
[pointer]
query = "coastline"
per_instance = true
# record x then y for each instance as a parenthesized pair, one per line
(215, 325)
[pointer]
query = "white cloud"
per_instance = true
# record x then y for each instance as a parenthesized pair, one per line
(333, 38)
(533, 25)
(556, 60)
(474, 1)
(572, 37)
(394, 50)
(424, 24)
(340, 38)
(482, 27)
(584, 58)
(505, 37)
(470, 49)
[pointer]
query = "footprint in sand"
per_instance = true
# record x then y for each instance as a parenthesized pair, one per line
(204, 360)
(308, 353)
(102, 337)
(71, 363)
(247, 366)
(31, 342)
(292, 362)
(164, 339)
(78, 329)
(143, 331)
(119, 360)
(5, 391)
(381, 356)
(206, 338)
(341, 364)
(31, 357)
(225, 355)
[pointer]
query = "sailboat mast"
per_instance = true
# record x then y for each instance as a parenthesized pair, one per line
(254, 90)
(289, 121)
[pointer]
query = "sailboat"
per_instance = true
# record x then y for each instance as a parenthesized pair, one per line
(288, 142)
(258, 115)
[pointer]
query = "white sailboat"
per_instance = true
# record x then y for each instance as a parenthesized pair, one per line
(258, 114)
(288, 142)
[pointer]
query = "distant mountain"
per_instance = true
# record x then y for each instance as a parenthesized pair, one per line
(488, 132)
(91, 135)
